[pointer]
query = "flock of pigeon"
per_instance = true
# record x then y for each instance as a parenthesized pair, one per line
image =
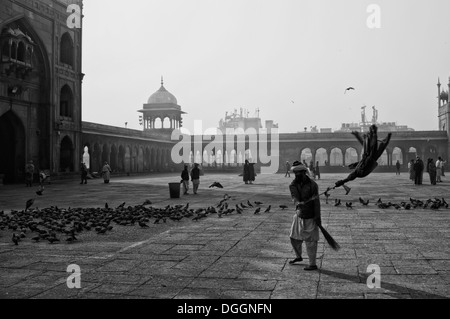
(58, 224)
(432, 203)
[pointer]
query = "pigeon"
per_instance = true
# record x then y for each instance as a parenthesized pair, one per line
(147, 202)
(364, 202)
(106, 205)
(258, 203)
(52, 240)
(15, 239)
(268, 209)
(143, 225)
(283, 207)
(257, 211)
(349, 205)
(243, 206)
(216, 184)
(39, 191)
(249, 204)
(348, 89)
(29, 203)
(121, 205)
(337, 202)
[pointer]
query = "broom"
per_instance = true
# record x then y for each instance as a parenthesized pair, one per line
(330, 240)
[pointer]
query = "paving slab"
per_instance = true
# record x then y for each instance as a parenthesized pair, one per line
(237, 256)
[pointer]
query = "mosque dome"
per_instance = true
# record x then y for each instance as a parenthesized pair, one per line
(162, 96)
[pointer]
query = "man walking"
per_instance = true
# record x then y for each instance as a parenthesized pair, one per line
(288, 169)
(185, 179)
(397, 166)
(306, 218)
(195, 177)
(439, 170)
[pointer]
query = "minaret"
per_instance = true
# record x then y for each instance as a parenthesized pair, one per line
(439, 93)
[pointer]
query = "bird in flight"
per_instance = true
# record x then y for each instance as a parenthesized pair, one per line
(348, 89)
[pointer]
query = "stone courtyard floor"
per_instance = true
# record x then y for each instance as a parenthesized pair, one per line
(236, 256)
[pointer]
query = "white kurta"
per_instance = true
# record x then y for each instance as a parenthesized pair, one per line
(304, 229)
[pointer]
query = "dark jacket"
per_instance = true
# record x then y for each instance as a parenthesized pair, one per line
(195, 173)
(249, 172)
(303, 192)
(185, 175)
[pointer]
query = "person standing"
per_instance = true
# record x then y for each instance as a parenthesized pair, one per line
(185, 179)
(307, 217)
(106, 172)
(195, 177)
(397, 166)
(439, 170)
(249, 172)
(431, 168)
(412, 175)
(418, 171)
(29, 173)
(317, 170)
(84, 173)
(288, 169)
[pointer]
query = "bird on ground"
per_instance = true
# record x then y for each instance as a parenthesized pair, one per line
(379, 201)
(364, 202)
(40, 191)
(106, 205)
(216, 184)
(258, 203)
(348, 89)
(337, 202)
(15, 239)
(283, 207)
(249, 204)
(257, 211)
(29, 203)
(52, 240)
(147, 202)
(243, 206)
(238, 209)
(268, 209)
(349, 205)
(121, 205)
(143, 225)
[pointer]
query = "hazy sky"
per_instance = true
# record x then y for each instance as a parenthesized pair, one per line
(221, 55)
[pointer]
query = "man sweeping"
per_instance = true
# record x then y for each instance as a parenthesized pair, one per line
(305, 226)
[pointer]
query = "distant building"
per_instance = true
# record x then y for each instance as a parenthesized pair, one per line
(364, 125)
(243, 121)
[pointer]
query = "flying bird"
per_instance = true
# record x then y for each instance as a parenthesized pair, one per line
(348, 89)
(216, 184)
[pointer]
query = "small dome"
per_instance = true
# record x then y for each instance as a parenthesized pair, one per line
(162, 96)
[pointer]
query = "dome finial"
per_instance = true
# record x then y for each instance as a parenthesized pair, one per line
(162, 81)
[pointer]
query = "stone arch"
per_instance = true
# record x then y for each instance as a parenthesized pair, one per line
(351, 156)
(306, 155)
(397, 154)
(66, 155)
(113, 158)
(384, 159)
(321, 156)
(121, 159)
(66, 54)
(158, 123)
(96, 158)
(336, 158)
(105, 154)
(12, 146)
(147, 157)
(140, 159)
(127, 159)
(66, 102)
